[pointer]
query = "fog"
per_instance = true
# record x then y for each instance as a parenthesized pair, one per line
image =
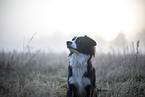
(46, 25)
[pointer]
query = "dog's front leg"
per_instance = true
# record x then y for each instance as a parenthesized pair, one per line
(72, 91)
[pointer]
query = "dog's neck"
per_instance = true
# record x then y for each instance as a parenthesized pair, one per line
(78, 59)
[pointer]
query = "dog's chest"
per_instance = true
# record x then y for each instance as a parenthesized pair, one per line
(79, 67)
(78, 62)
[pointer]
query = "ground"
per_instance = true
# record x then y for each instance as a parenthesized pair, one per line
(42, 74)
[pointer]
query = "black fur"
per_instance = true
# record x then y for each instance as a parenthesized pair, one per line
(86, 45)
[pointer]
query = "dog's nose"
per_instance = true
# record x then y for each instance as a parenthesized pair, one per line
(69, 42)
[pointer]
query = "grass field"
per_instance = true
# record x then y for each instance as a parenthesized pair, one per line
(43, 74)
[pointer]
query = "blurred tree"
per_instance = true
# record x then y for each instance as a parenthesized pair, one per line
(120, 41)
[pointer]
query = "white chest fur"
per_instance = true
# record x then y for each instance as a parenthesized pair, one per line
(78, 62)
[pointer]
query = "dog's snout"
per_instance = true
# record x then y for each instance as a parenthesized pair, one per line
(69, 42)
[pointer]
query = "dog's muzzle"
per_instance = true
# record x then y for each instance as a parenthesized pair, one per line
(69, 43)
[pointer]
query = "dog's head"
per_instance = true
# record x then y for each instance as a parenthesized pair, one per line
(83, 45)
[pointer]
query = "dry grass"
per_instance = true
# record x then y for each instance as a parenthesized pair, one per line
(32, 74)
(42, 74)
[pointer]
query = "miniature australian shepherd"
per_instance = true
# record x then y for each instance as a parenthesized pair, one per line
(81, 74)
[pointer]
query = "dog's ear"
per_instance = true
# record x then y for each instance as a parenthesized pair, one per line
(91, 40)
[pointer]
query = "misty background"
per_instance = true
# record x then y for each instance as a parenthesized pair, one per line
(46, 25)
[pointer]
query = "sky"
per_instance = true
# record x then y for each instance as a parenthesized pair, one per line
(52, 22)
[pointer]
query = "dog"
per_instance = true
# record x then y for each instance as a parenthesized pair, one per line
(81, 73)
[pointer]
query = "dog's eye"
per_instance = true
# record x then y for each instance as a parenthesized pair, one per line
(73, 38)
(78, 40)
